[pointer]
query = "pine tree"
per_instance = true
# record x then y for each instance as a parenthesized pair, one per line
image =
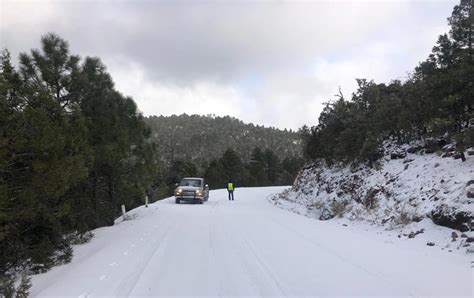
(257, 168)
(233, 167)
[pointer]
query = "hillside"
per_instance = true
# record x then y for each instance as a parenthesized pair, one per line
(201, 139)
(399, 155)
(408, 190)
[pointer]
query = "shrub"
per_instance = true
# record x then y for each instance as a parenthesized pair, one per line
(8, 289)
(338, 208)
(404, 218)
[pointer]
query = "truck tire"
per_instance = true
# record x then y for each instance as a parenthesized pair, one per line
(177, 201)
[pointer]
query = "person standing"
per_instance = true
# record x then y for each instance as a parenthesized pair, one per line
(230, 189)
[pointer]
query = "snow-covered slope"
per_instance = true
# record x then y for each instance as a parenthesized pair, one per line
(405, 193)
(248, 247)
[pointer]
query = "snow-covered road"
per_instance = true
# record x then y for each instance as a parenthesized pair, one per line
(248, 247)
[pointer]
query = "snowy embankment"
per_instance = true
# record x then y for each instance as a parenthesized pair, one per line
(409, 195)
(248, 247)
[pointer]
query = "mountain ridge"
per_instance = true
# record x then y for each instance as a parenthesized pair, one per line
(201, 138)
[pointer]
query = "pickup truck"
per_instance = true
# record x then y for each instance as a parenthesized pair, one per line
(191, 190)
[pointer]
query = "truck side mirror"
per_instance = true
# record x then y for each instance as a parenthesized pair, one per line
(176, 184)
(207, 186)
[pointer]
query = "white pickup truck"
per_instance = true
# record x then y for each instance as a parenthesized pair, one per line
(191, 190)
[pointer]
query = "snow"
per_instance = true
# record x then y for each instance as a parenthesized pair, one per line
(415, 185)
(249, 247)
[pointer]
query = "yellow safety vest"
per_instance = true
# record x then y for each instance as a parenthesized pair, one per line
(230, 186)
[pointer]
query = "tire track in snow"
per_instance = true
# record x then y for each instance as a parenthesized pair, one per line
(92, 254)
(236, 254)
(262, 266)
(212, 236)
(132, 281)
(115, 265)
(339, 256)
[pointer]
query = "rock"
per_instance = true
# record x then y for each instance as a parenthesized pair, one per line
(470, 189)
(430, 243)
(449, 148)
(452, 218)
(454, 236)
(326, 215)
(430, 146)
(458, 155)
(406, 167)
(470, 193)
(447, 154)
(414, 149)
(407, 160)
(417, 218)
(398, 155)
(429, 150)
(442, 142)
(413, 234)
(470, 152)
(464, 227)
(384, 221)
(470, 239)
(463, 235)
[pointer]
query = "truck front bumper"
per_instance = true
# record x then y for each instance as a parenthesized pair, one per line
(190, 198)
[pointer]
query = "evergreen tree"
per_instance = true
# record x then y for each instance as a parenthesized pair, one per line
(272, 166)
(233, 167)
(257, 168)
(46, 155)
(436, 101)
(72, 150)
(214, 175)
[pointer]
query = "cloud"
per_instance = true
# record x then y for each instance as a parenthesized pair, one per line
(200, 97)
(271, 63)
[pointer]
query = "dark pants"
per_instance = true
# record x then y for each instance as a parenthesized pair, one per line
(231, 194)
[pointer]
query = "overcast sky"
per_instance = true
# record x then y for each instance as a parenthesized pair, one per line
(271, 63)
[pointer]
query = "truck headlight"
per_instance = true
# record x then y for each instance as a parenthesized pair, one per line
(178, 191)
(198, 192)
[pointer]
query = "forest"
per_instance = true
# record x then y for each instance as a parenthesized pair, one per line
(72, 150)
(221, 148)
(435, 103)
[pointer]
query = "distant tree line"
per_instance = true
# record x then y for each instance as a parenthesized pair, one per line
(219, 148)
(436, 101)
(201, 139)
(264, 168)
(72, 150)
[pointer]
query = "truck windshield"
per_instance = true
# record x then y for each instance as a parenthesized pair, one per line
(190, 182)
